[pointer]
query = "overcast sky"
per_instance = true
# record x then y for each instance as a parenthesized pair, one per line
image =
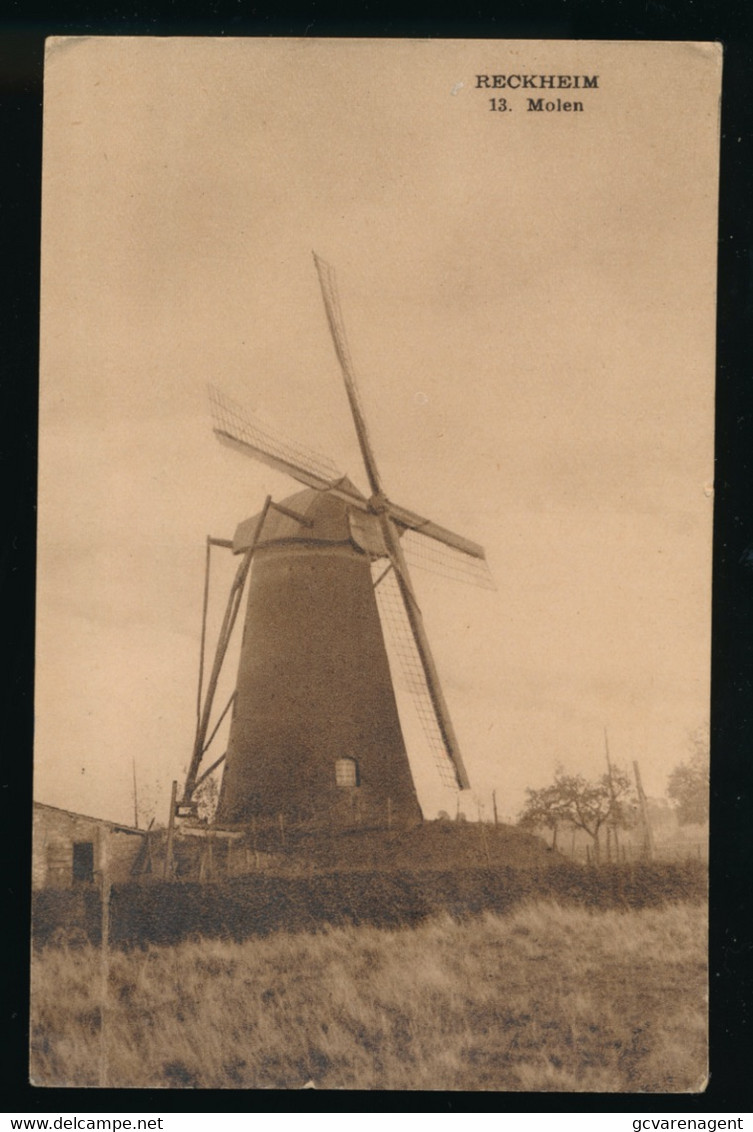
(529, 300)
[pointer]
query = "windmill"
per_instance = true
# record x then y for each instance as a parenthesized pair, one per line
(315, 735)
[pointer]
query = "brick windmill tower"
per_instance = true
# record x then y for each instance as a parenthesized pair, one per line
(315, 734)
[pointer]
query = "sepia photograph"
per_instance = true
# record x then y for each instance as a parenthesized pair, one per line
(373, 619)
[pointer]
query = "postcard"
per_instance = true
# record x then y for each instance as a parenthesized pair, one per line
(374, 568)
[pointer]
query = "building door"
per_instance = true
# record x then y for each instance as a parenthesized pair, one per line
(83, 861)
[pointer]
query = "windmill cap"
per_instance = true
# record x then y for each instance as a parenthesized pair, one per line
(318, 516)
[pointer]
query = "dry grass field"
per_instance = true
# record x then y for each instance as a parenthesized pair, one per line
(544, 998)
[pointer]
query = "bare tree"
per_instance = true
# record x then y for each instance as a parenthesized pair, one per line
(688, 785)
(588, 805)
(544, 809)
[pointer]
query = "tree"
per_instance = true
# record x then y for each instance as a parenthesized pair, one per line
(588, 805)
(688, 785)
(544, 808)
(207, 798)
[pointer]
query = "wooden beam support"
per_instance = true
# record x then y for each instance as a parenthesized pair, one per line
(231, 613)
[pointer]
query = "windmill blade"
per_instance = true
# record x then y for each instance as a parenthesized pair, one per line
(402, 515)
(328, 286)
(234, 426)
(388, 516)
(423, 650)
(413, 522)
(444, 560)
(408, 671)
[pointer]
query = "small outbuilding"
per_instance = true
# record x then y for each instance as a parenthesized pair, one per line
(70, 849)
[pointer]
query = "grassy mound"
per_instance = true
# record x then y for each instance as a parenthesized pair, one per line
(435, 845)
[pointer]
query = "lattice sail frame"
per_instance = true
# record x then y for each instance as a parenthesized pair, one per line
(401, 643)
(233, 422)
(425, 553)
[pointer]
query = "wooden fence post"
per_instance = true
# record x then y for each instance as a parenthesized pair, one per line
(168, 867)
(254, 842)
(485, 844)
(648, 840)
(104, 956)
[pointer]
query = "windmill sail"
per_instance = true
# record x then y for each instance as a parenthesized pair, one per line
(234, 425)
(426, 545)
(413, 522)
(389, 516)
(430, 555)
(337, 329)
(408, 670)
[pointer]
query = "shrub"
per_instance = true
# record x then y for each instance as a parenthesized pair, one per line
(259, 903)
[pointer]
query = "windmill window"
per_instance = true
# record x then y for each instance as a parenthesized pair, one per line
(346, 772)
(83, 861)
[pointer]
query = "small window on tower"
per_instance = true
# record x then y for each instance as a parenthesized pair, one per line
(346, 772)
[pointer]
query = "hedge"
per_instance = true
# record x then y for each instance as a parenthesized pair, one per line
(259, 903)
